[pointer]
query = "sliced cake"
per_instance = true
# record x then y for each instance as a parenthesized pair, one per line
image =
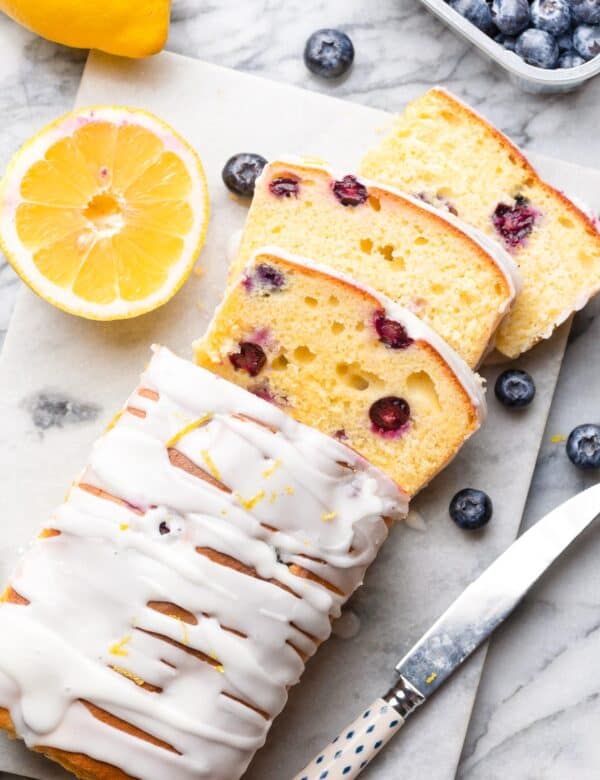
(443, 149)
(462, 285)
(346, 360)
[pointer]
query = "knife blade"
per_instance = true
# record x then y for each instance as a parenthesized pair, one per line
(463, 627)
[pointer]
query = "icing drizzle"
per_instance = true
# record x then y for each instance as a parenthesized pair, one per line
(186, 579)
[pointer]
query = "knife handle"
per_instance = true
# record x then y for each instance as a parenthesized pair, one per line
(359, 743)
(356, 745)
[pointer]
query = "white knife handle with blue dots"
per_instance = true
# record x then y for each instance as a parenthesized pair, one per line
(356, 745)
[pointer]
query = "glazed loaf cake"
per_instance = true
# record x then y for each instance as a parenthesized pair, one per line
(153, 628)
(346, 360)
(442, 148)
(461, 285)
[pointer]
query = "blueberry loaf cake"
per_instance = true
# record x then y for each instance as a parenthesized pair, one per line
(442, 148)
(346, 360)
(153, 628)
(461, 285)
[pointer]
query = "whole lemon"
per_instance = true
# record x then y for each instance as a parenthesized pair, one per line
(129, 28)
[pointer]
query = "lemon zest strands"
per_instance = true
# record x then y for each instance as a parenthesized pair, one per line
(187, 428)
(250, 503)
(431, 678)
(123, 526)
(289, 490)
(219, 667)
(327, 516)
(272, 469)
(212, 467)
(114, 421)
(119, 648)
(558, 437)
(130, 675)
(186, 635)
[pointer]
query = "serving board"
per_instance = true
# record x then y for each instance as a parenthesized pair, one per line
(63, 378)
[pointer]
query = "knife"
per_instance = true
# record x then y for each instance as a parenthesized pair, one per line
(468, 622)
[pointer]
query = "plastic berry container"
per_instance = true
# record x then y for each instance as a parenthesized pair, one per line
(527, 77)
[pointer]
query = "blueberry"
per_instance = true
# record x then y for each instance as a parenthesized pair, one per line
(538, 47)
(251, 358)
(514, 222)
(392, 333)
(241, 172)
(511, 16)
(285, 186)
(570, 59)
(586, 41)
(471, 509)
(508, 42)
(264, 280)
(389, 413)
(586, 11)
(350, 191)
(328, 53)
(583, 446)
(515, 388)
(554, 16)
(565, 41)
(475, 11)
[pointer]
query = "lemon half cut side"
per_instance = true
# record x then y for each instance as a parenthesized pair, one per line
(103, 212)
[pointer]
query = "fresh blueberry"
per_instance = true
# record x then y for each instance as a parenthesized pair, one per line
(328, 53)
(477, 12)
(510, 16)
(538, 47)
(241, 172)
(514, 388)
(586, 11)
(554, 16)
(508, 42)
(565, 41)
(583, 446)
(586, 40)
(570, 59)
(471, 509)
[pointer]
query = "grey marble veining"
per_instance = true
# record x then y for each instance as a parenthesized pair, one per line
(539, 702)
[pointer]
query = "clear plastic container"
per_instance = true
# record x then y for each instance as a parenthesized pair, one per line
(528, 77)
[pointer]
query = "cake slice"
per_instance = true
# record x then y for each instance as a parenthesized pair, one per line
(154, 627)
(442, 148)
(461, 284)
(346, 360)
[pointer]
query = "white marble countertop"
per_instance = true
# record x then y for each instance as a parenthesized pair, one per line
(540, 693)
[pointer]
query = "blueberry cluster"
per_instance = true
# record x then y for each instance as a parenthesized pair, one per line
(544, 33)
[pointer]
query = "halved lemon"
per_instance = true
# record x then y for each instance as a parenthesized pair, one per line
(104, 211)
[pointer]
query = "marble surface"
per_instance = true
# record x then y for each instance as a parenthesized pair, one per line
(540, 693)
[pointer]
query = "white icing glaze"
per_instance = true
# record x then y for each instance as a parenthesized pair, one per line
(293, 492)
(418, 330)
(500, 257)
